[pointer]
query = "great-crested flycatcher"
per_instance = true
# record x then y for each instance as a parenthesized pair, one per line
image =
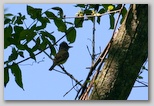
(61, 56)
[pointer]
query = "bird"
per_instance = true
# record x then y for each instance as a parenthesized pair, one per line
(62, 55)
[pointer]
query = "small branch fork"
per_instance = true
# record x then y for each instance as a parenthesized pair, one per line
(84, 91)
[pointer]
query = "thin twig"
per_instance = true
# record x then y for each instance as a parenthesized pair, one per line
(139, 86)
(89, 51)
(71, 88)
(93, 42)
(70, 75)
(142, 83)
(96, 15)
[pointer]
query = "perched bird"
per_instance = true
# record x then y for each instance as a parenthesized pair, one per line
(61, 56)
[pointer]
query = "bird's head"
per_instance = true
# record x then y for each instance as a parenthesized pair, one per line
(64, 45)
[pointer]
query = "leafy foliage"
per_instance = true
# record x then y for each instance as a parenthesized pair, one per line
(97, 10)
(18, 35)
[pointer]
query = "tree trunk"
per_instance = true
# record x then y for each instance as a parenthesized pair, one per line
(128, 52)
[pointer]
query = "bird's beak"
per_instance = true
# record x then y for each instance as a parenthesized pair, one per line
(70, 46)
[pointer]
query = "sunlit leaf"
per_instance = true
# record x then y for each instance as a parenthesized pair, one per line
(106, 6)
(110, 7)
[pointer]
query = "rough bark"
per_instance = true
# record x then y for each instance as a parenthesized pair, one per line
(128, 52)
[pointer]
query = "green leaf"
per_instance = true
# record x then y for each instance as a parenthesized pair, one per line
(112, 21)
(6, 76)
(30, 35)
(101, 11)
(140, 77)
(80, 5)
(7, 20)
(69, 23)
(20, 47)
(87, 12)
(27, 35)
(18, 29)
(60, 24)
(44, 44)
(23, 34)
(58, 21)
(71, 34)
(118, 6)
(78, 22)
(53, 50)
(50, 15)
(21, 54)
(60, 11)
(37, 44)
(88, 81)
(123, 13)
(37, 28)
(17, 73)
(42, 26)
(32, 55)
(110, 7)
(144, 68)
(48, 35)
(7, 35)
(8, 15)
(106, 6)
(44, 21)
(98, 20)
(34, 13)
(14, 55)
(19, 19)
(13, 19)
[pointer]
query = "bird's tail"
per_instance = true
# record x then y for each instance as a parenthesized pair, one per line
(51, 68)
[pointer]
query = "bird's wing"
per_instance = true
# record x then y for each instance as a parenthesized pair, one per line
(61, 57)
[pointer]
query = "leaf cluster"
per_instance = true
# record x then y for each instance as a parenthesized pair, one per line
(19, 36)
(98, 9)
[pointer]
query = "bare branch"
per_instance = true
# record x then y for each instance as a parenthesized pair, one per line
(70, 75)
(89, 51)
(72, 88)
